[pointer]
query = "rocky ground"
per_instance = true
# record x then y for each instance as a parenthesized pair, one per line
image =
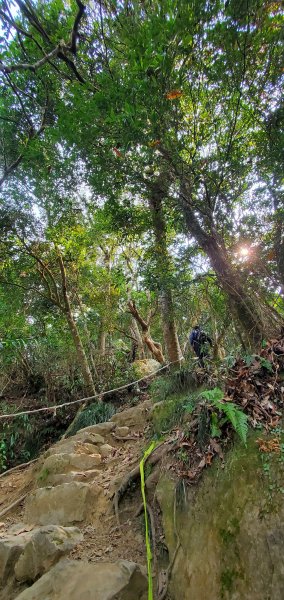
(68, 511)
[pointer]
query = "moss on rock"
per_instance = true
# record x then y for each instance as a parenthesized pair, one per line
(231, 528)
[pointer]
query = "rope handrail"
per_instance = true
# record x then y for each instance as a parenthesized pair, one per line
(100, 395)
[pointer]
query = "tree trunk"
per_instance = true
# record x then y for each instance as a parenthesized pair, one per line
(154, 347)
(88, 379)
(242, 305)
(169, 327)
(102, 339)
(88, 337)
(134, 330)
(278, 204)
(173, 350)
(82, 358)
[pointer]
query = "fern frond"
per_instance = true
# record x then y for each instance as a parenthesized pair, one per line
(234, 415)
(237, 418)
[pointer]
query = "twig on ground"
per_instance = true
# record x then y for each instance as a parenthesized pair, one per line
(15, 503)
(22, 466)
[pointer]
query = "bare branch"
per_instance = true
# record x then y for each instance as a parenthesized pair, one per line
(32, 134)
(34, 67)
(74, 34)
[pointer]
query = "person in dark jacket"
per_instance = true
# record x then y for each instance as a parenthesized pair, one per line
(198, 340)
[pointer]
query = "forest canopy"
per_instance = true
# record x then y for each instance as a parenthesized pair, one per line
(141, 185)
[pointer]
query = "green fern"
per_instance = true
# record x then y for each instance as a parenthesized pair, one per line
(233, 414)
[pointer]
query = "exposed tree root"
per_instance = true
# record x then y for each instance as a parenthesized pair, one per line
(153, 528)
(18, 467)
(15, 503)
(164, 576)
(131, 477)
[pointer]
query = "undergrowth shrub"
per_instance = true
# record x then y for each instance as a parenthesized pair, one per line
(25, 436)
(98, 412)
(229, 412)
(181, 380)
(171, 413)
(176, 393)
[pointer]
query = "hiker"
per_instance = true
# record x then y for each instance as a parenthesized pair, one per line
(198, 340)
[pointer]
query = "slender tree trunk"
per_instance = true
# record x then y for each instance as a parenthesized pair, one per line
(134, 330)
(169, 327)
(102, 339)
(82, 358)
(88, 337)
(278, 204)
(102, 335)
(154, 347)
(171, 341)
(80, 353)
(242, 305)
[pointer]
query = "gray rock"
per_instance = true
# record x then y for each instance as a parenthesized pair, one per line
(61, 505)
(59, 478)
(78, 580)
(100, 428)
(28, 554)
(91, 437)
(106, 450)
(122, 431)
(146, 366)
(65, 463)
(77, 445)
(136, 416)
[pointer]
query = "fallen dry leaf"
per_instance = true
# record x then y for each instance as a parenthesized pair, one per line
(173, 94)
(272, 445)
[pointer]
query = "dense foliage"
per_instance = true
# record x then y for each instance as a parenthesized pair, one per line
(141, 185)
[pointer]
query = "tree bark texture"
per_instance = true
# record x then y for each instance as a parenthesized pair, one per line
(102, 339)
(82, 358)
(243, 306)
(154, 347)
(278, 204)
(171, 340)
(134, 330)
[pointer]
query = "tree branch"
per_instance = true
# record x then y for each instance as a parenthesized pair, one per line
(59, 51)
(74, 33)
(34, 67)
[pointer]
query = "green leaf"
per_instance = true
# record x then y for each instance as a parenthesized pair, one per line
(233, 414)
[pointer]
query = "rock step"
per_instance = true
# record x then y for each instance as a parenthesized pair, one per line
(122, 580)
(63, 504)
(26, 553)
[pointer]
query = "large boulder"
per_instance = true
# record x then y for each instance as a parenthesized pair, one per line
(76, 580)
(61, 505)
(50, 479)
(75, 445)
(27, 554)
(63, 463)
(135, 416)
(145, 367)
(86, 434)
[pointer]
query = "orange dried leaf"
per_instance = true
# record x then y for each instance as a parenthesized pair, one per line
(117, 152)
(173, 94)
(269, 445)
(154, 143)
